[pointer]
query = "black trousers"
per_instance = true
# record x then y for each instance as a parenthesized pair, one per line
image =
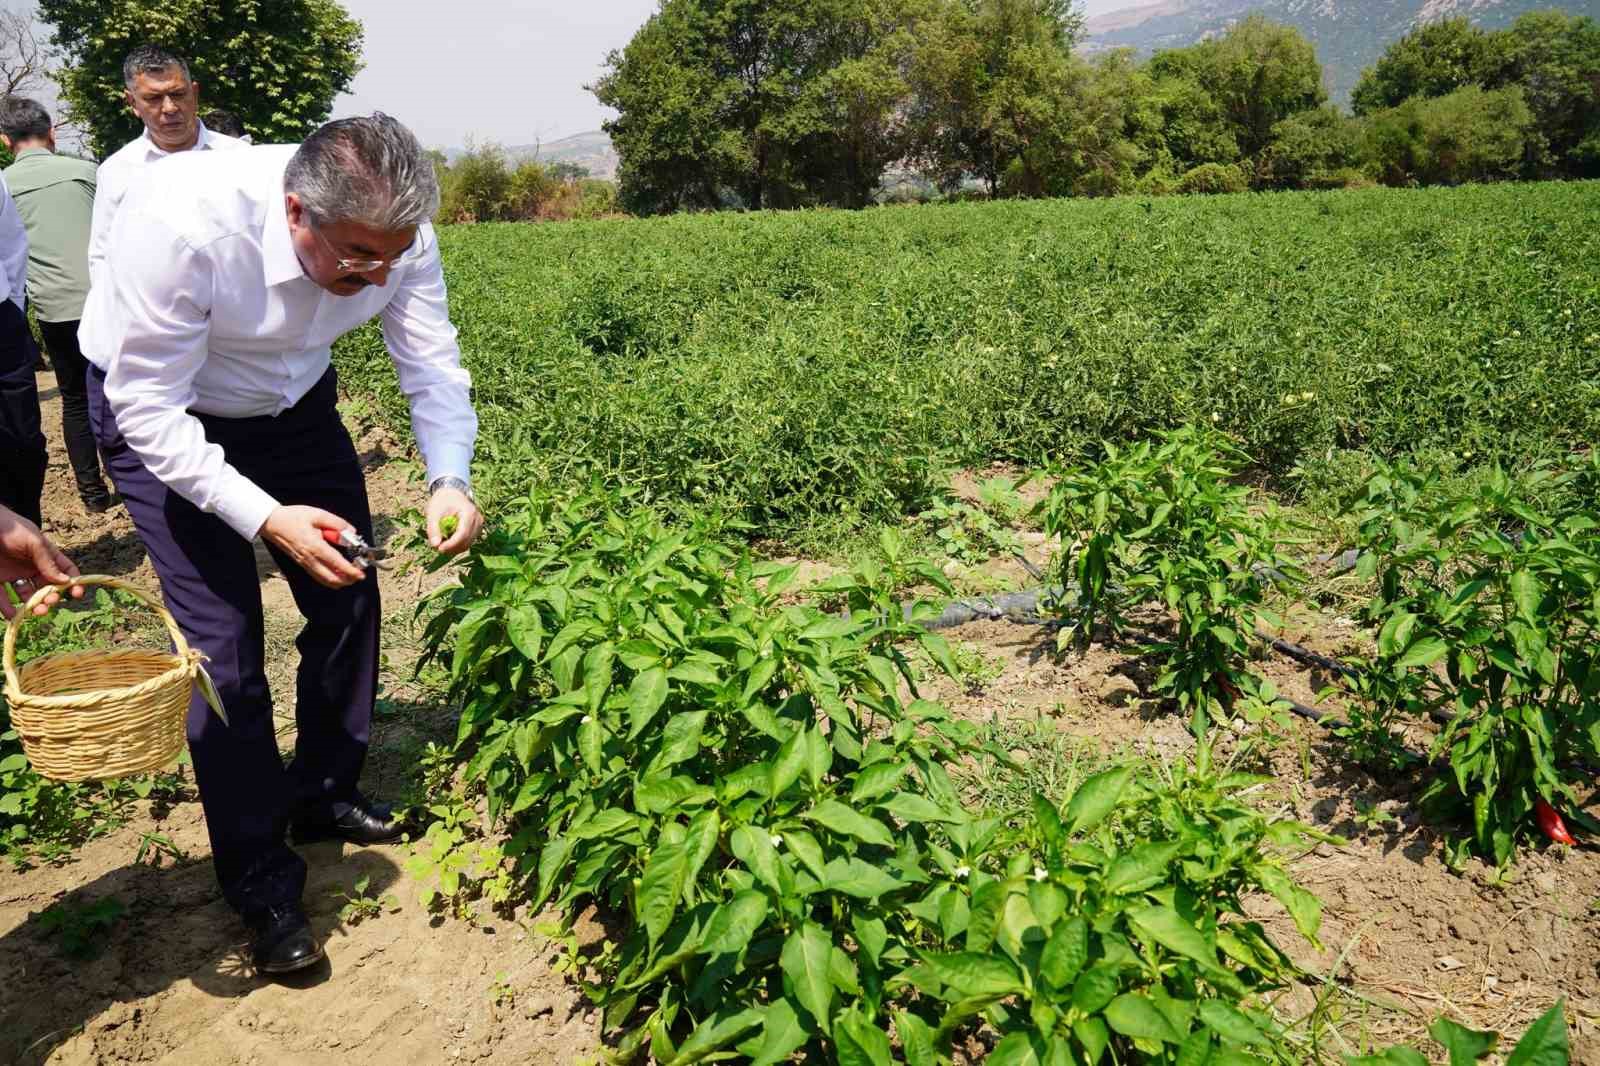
(208, 578)
(72, 369)
(23, 455)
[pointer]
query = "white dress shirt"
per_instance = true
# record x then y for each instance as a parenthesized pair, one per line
(213, 313)
(111, 185)
(13, 251)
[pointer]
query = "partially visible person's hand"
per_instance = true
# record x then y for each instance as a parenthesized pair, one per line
(443, 504)
(28, 560)
(298, 532)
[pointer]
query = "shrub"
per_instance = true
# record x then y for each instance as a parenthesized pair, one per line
(1209, 178)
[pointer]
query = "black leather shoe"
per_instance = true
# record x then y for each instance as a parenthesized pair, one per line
(284, 942)
(101, 502)
(364, 823)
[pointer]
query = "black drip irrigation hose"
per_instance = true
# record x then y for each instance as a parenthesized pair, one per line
(1023, 608)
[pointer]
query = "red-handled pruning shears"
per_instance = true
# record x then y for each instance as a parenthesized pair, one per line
(353, 547)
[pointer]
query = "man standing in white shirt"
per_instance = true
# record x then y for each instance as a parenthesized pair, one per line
(23, 454)
(231, 274)
(157, 87)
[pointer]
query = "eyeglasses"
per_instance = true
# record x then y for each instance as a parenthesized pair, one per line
(367, 266)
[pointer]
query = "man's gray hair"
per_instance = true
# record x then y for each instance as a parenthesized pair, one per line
(151, 59)
(23, 119)
(369, 170)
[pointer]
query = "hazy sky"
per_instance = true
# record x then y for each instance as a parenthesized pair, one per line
(511, 71)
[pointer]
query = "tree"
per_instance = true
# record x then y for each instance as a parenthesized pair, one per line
(776, 104)
(1434, 59)
(1314, 149)
(22, 64)
(1555, 58)
(277, 64)
(1259, 72)
(1471, 134)
(990, 79)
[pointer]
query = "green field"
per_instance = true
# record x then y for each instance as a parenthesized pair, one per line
(819, 362)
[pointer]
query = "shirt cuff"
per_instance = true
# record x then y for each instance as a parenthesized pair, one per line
(245, 506)
(450, 461)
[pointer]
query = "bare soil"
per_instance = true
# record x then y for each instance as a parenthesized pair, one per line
(1403, 937)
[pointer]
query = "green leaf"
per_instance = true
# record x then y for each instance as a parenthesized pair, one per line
(1065, 952)
(525, 628)
(733, 923)
(877, 779)
(1135, 1015)
(864, 880)
(1014, 1050)
(1093, 1034)
(871, 933)
(717, 1032)
(1097, 797)
(1424, 651)
(819, 756)
(597, 673)
(974, 975)
(659, 794)
(753, 847)
(1545, 1042)
(1094, 988)
(1143, 867)
(695, 673)
(1466, 1046)
(1526, 593)
(917, 810)
(645, 696)
(680, 740)
(805, 960)
(860, 1043)
(843, 820)
(789, 763)
(803, 846)
(1232, 1024)
(1172, 931)
(781, 1035)
(828, 629)
(660, 888)
(916, 1039)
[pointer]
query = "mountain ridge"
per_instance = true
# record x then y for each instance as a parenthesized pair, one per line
(1349, 35)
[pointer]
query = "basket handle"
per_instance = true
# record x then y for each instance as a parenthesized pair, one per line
(9, 661)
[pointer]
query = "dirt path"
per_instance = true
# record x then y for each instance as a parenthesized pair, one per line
(173, 983)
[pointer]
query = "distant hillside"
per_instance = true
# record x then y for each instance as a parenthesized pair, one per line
(1349, 35)
(592, 150)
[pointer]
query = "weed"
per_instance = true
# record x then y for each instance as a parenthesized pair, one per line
(81, 929)
(1371, 816)
(356, 905)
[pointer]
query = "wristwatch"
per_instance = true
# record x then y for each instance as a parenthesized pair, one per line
(450, 481)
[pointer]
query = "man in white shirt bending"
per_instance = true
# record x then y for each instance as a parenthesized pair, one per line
(158, 89)
(231, 274)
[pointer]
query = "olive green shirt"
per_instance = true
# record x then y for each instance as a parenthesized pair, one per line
(55, 195)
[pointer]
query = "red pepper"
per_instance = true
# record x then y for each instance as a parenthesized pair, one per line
(1550, 823)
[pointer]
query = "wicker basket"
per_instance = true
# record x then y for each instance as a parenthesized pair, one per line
(87, 715)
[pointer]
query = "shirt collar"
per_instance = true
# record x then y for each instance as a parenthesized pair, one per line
(279, 264)
(153, 150)
(26, 152)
